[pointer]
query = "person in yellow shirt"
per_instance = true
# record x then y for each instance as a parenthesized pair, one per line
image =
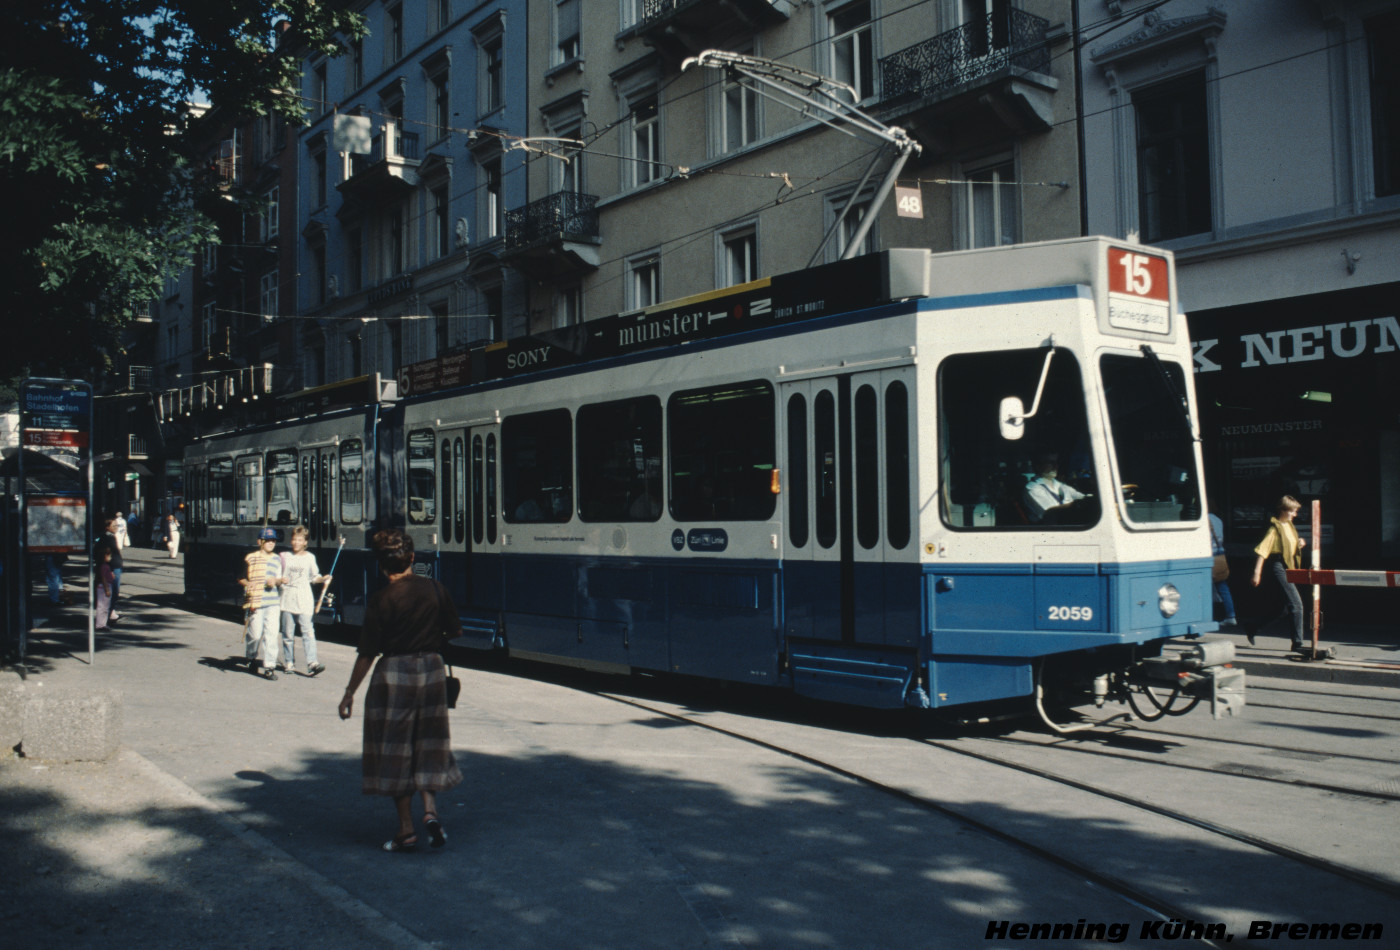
(1282, 550)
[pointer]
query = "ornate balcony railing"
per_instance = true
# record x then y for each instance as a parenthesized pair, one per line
(974, 50)
(565, 214)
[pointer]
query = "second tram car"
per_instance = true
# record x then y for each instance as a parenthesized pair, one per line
(905, 479)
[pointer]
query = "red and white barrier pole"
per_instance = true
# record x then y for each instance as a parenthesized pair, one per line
(1316, 564)
(1345, 578)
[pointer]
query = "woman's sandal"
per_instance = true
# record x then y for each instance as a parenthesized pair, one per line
(436, 836)
(405, 843)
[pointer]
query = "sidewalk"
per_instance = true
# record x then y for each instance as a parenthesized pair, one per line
(1363, 656)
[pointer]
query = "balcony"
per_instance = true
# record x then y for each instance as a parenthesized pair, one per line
(391, 163)
(136, 446)
(681, 28)
(554, 236)
(986, 80)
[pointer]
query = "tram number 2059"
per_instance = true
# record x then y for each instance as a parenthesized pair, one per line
(1071, 613)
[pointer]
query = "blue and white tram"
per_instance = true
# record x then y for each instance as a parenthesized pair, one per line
(822, 481)
(331, 471)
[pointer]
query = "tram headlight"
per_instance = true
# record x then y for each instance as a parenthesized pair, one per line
(1168, 600)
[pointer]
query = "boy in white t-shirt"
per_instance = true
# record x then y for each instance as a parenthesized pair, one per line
(299, 603)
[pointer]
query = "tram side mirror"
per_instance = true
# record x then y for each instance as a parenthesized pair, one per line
(1012, 418)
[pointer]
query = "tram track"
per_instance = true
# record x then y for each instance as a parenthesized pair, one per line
(1326, 712)
(1141, 734)
(1144, 901)
(1369, 881)
(1243, 773)
(1148, 902)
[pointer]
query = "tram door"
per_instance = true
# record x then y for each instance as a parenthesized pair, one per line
(469, 535)
(454, 516)
(318, 469)
(848, 507)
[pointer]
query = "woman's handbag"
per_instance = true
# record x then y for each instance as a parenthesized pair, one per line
(454, 688)
(1220, 569)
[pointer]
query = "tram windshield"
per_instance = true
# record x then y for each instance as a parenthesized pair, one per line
(1152, 439)
(1043, 480)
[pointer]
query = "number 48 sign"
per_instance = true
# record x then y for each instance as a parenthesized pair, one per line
(908, 202)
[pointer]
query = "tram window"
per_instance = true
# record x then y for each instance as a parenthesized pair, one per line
(1043, 481)
(537, 461)
(352, 482)
(824, 461)
(722, 453)
(867, 467)
(447, 473)
(897, 499)
(249, 489)
(422, 478)
(478, 492)
(797, 470)
(459, 489)
(282, 486)
(619, 460)
(1153, 442)
(491, 488)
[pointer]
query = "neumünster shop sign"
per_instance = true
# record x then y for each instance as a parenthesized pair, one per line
(1324, 341)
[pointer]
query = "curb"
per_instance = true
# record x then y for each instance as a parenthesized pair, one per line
(1323, 672)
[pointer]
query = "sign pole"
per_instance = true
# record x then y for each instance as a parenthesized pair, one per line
(1316, 563)
(22, 568)
(92, 584)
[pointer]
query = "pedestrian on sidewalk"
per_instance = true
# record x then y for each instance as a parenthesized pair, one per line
(53, 571)
(110, 542)
(1220, 570)
(106, 582)
(123, 539)
(1281, 549)
(407, 740)
(299, 603)
(262, 585)
(172, 536)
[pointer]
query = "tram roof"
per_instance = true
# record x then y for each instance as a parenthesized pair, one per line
(857, 284)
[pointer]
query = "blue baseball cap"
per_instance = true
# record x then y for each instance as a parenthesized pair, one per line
(267, 534)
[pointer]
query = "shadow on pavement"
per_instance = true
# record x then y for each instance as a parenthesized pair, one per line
(553, 849)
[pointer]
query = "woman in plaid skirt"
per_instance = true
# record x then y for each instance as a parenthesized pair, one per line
(408, 747)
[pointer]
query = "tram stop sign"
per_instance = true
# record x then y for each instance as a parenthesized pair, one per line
(55, 470)
(56, 425)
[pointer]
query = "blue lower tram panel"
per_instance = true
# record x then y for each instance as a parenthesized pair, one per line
(967, 634)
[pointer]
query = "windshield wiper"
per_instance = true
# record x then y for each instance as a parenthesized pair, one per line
(1169, 385)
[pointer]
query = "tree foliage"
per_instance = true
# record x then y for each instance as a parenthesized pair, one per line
(98, 156)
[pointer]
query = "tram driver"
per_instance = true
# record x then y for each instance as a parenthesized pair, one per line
(1046, 498)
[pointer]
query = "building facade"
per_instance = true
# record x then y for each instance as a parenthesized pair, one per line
(650, 179)
(404, 177)
(1261, 142)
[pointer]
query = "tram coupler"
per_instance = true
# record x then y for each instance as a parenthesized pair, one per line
(1203, 670)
